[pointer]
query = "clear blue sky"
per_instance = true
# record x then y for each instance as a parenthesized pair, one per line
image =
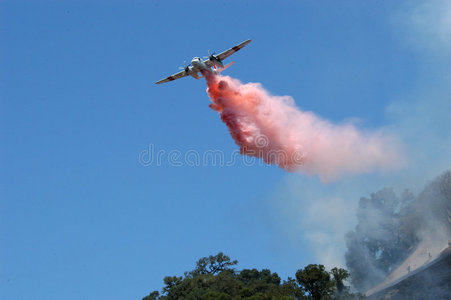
(80, 217)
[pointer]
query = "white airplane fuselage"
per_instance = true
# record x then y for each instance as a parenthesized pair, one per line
(198, 65)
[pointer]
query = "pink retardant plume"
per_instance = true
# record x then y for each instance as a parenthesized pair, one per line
(274, 129)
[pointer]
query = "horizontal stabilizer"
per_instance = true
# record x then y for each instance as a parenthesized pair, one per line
(227, 65)
(218, 71)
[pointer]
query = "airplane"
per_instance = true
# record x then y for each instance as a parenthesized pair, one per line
(212, 64)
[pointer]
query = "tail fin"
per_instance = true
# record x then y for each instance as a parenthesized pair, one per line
(226, 66)
(218, 71)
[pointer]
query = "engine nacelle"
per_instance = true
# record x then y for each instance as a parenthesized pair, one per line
(216, 61)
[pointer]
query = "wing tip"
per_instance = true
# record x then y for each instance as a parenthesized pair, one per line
(167, 79)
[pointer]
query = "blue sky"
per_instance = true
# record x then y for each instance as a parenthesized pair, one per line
(82, 218)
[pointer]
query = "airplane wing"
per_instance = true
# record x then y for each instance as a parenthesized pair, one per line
(227, 53)
(173, 77)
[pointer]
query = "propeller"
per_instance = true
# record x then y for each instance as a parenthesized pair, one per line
(185, 67)
(211, 56)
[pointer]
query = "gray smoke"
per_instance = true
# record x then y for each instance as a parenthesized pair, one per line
(307, 212)
(396, 235)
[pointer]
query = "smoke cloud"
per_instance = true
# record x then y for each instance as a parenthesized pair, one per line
(419, 116)
(274, 129)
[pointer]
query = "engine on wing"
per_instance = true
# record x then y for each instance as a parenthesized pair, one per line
(217, 62)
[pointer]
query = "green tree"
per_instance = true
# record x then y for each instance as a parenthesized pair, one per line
(214, 278)
(340, 275)
(342, 291)
(316, 282)
(213, 264)
(152, 296)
